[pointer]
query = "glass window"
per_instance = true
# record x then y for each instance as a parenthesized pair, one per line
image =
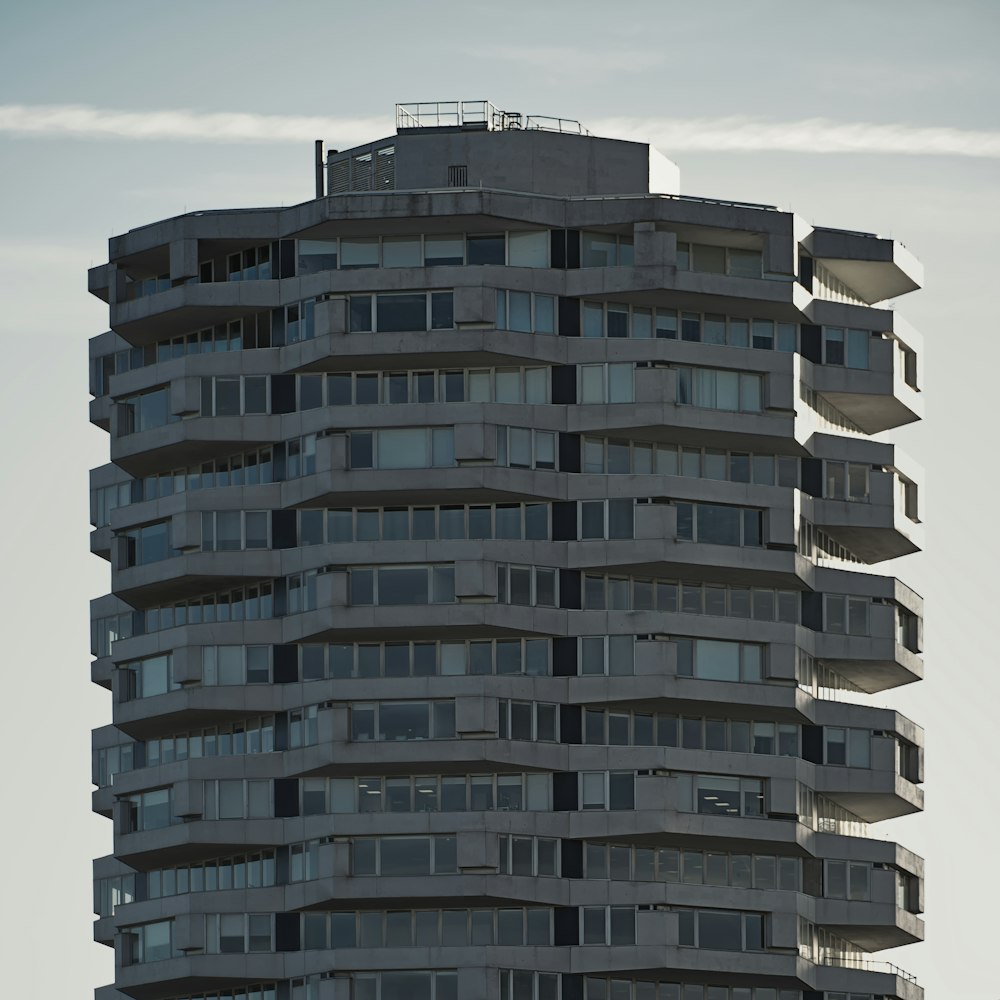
(401, 251)
(444, 250)
(486, 249)
(358, 252)
(529, 249)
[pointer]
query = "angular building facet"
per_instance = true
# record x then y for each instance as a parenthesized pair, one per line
(496, 605)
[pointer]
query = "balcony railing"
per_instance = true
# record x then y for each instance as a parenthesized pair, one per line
(868, 965)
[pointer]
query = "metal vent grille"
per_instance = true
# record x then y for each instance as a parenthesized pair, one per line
(385, 168)
(361, 172)
(458, 175)
(338, 178)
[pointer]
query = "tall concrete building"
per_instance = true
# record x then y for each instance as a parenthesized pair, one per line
(495, 611)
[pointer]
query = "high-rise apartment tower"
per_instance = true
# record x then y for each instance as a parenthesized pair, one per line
(492, 611)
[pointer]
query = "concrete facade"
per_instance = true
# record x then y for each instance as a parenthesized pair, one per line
(491, 614)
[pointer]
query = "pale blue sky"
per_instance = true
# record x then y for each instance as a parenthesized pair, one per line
(897, 64)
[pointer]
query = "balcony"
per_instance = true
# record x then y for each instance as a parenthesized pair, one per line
(190, 307)
(190, 574)
(875, 528)
(878, 398)
(875, 269)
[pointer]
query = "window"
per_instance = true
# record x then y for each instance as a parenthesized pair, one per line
(722, 930)
(847, 880)
(528, 855)
(401, 312)
(671, 864)
(478, 385)
(719, 660)
(137, 288)
(614, 790)
(398, 585)
(432, 793)
(517, 984)
(619, 319)
(605, 455)
(404, 856)
(607, 925)
(147, 811)
(476, 521)
(758, 603)
(238, 933)
(144, 411)
(846, 347)
(719, 389)
(528, 249)
(425, 659)
(714, 524)
(299, 320)
(316, 255)
(145, 545)
(417, 985)
(526, 448)
(844, 615)
(606, 383)
(485, 248)
(612, 519)
(908, 626)
(147, 678)
(613, 655)
(402, 448)
(719, 795)
(511, 926)
(252, 264)
(110, 893)
(530, 586)
(627, 989)
(244, 871)
(525, 312)
(528, 720)
(847, 747)
(222, 665)
(235, 530)
(720, 260)
(242, 604)
(238, 799)
(846, 481)
(405, 720)
(254, 734)
(689, 732)
(148, 943)
(105, 499)
(606, 250)
(235, 395)
(109, 761)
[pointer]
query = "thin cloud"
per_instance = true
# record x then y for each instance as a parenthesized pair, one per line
(105, 123)
(671, 135)
(813, 135)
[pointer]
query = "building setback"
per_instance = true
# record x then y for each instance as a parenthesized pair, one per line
(492, 612)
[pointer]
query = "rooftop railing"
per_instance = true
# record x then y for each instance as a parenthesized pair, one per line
(868, 965)
(478, 115)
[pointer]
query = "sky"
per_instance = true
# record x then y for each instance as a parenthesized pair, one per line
(882, 117)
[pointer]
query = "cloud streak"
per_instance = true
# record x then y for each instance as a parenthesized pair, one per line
(812, 135)
(670, 135)
(88, 122)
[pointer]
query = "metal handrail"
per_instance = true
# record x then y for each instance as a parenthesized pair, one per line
(438, 114)
(869, 965)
